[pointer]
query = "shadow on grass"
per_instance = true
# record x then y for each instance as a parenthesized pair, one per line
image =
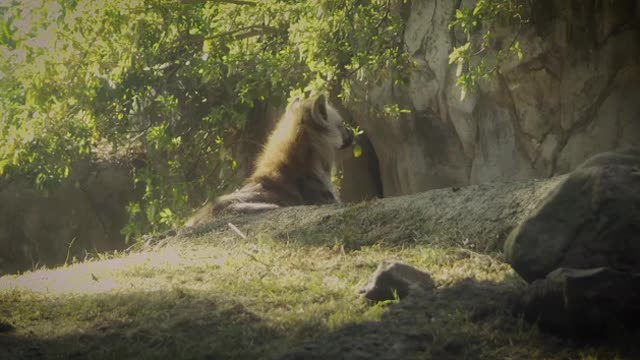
(470, 320)
(157, 325)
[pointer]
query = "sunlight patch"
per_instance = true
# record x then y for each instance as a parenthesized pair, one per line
(87, 278)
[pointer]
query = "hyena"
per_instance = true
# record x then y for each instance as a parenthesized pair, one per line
(294, 167)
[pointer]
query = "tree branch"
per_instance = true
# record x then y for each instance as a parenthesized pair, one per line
(245, 32)
(238, 2)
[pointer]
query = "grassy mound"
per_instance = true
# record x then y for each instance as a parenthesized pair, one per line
(289, 289)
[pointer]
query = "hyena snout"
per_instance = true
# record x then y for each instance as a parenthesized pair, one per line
(347, 137)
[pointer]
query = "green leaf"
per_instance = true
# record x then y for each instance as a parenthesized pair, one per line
(480, 6)
(357, 151)
(459, 53)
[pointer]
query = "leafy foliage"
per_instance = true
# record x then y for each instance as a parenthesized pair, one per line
(484, 26)
(173, 80)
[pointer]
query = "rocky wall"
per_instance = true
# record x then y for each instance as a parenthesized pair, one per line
(575, 93)
(85, 214)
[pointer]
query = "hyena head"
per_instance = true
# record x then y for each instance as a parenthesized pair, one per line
(304, 141)
(324, 121)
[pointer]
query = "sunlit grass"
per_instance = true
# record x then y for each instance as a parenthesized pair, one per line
(221, 296)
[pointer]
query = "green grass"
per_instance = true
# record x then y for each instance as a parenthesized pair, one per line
(216, 296)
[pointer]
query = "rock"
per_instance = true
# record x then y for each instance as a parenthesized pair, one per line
(583, 303)
(390, 277)
(86, 212)
(572, 95)
(592, 219)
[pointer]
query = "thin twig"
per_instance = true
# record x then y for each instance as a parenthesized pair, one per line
(66, 260)
(237, 231)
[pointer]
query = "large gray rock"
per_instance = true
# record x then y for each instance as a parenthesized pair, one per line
(592, 219)
(583, 303)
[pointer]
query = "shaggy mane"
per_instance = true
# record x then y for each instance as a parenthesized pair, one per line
(291, 147)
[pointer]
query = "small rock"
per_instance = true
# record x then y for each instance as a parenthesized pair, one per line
(390, 277)
(583, 303)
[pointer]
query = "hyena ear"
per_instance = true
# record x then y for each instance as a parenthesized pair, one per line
(319, 112)
(294, 102)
